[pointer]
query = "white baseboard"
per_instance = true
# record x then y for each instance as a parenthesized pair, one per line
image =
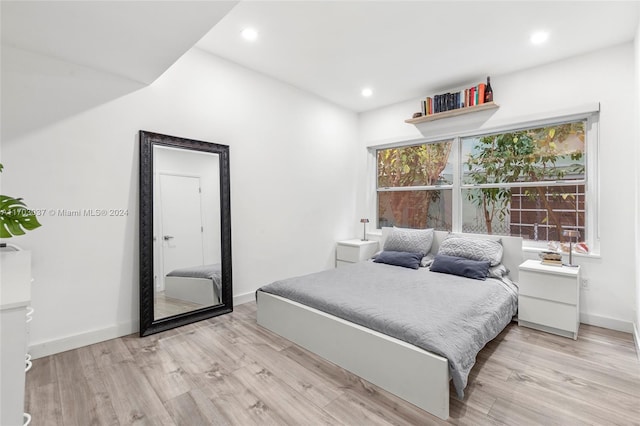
(42, 349)
(51, 347)
(636, 338)
(605, 322)
(244, 298)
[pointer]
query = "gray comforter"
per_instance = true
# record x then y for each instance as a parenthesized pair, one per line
(444, 314)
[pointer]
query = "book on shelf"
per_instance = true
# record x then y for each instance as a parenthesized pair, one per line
(449, 101)
(551, 262)
(481, 89)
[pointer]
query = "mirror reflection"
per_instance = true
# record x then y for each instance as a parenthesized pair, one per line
(186, 232)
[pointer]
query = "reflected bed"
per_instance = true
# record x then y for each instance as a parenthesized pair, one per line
(198, 284)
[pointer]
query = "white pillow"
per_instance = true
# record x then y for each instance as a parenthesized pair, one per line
(409, 240)
(386, 230)
(499, 271)
(427, 260)
(472, 248)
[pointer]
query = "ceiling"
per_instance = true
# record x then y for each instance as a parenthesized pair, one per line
(405, 50)
(138, 40)
(63, 57)
(60, 58)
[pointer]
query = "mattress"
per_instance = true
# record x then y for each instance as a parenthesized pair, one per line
(448, 315)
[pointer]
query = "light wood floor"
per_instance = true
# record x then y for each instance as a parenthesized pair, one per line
(229, 371)
(164, 306)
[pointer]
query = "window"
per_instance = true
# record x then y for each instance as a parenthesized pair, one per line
(414, 186)
(529, 182)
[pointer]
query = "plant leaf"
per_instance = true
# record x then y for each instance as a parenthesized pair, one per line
(15, 217)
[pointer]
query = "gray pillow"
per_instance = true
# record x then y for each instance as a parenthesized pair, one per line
(476, 269)
(472, 248)
(399, 258)
(409, 240)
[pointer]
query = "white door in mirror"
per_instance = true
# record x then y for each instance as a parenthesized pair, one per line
(181, 221)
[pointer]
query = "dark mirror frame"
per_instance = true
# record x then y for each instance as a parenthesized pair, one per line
(148, 325)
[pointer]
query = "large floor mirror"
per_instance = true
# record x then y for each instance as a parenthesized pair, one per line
(185, 232)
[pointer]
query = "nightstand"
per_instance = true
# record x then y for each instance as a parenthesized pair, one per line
(352, 251)
(549, 298)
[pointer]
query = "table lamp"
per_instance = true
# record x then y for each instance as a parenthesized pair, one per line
(571, 233)
(364, 224)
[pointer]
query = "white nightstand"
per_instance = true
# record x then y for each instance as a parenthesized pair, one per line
(352, 251)
(549, 298)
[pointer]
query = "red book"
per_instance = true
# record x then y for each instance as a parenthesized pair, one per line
(481, 89)
(472, 96)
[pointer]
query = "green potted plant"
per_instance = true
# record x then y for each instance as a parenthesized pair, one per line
(15, 216)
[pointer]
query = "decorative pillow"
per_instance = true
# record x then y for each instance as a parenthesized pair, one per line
(409, 240)
(472, 248)
(399, 258)
(476, 269)
(386, 230)
(427, 260)
(499, 271)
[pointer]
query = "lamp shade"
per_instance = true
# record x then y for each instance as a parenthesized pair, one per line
(571, 233)
(364, 220)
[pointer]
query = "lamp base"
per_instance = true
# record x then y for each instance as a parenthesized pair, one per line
(570, 265)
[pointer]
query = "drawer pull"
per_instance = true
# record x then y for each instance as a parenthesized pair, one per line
(30, 311)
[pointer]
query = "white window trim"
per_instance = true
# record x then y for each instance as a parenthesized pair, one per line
(588, 112)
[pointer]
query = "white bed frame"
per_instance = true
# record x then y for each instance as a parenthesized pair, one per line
(415, 375)
(196, 290)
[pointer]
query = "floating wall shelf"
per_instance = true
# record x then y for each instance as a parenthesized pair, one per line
(452, 113)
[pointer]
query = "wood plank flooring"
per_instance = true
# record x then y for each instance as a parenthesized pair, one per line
(229, 371)
(164, 306)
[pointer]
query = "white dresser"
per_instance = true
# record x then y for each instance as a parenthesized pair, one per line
(352, 251)
(549, 298)
(15, 298)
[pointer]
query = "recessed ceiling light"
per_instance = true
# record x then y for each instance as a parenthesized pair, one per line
(249, 34)
(367, 92)
(539, 37)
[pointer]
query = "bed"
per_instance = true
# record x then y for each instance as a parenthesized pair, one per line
(377, 336)
(198, 284)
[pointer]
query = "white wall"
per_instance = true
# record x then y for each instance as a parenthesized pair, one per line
(292, 191)
(607, 77)
(637, 143)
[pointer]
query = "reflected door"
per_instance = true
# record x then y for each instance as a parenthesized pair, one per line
(182, 229)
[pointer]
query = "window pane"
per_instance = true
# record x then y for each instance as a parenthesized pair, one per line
(418, 165)
(531, 155)
(538, 213)
(415, 209)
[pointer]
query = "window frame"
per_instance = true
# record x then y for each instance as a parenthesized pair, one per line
(590, 114)
(440, 187)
